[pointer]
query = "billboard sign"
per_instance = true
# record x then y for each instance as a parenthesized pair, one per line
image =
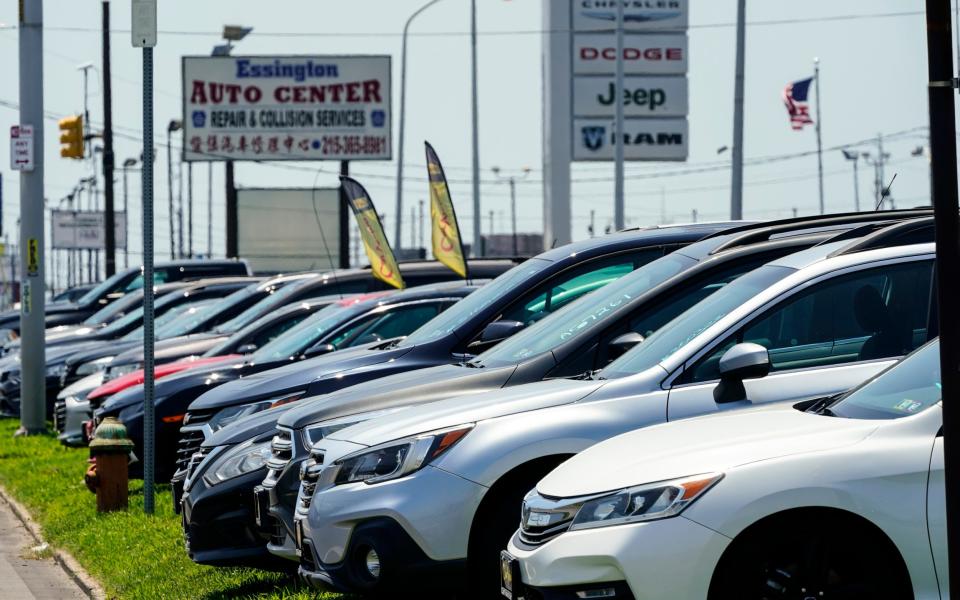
(286, 108)
(642, 96)
(643, 139)
(643, 54)
(84, 230)
(638, 15)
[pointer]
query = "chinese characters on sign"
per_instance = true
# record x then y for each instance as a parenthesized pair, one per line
(286, 108)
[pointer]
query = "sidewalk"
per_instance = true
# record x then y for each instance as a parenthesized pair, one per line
(27, 578)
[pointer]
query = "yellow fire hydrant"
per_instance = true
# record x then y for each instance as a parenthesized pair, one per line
(107, 475)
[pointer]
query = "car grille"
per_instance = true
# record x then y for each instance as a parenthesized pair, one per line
(309, 476)
(191, 437)
(60, 416)
(278, 535)
(306, 557)
(543, 518)
(535, 536)
(196, 459)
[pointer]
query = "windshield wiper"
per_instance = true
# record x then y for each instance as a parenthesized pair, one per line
(586, 375)
(822, 406)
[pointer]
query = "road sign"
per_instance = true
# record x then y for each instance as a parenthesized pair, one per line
(21, 147)
(644, 96)
(72, 229)
(643, 139)
(286, 108)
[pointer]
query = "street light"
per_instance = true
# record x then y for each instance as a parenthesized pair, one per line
(173, 125)
(130, 162)
(513, 201)
(403, 106)
(856, 181)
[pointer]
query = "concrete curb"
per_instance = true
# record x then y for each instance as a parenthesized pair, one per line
(69, 564)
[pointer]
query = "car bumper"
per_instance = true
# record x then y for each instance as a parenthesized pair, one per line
(433, 509)
(669, 558)
(75, 412)
(219, 526)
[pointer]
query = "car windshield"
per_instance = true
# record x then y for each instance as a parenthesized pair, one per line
(588, 313)
(682, 330)
(163, 319)
(909, 387)
(186, 321)
(262, 307)
(108, 285)
(476, 303)
(116, 308)
(136, 315)
(304, 335)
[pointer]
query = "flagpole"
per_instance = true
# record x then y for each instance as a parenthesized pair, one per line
(816, 80)
(736, 181)
(618, 203)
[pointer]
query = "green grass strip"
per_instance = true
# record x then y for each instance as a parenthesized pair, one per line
(131, 554)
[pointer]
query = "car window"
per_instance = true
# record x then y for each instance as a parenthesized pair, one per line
(305, 334)
(137, 283)
(268, 334)
(872, 314)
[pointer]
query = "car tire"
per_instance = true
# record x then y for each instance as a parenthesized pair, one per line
(811, 554)
(496, 521)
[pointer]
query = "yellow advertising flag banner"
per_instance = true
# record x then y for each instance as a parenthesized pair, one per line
(382, 262)
(447, 243)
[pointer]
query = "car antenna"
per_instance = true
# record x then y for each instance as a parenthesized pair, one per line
(323, 238)
(885, 192)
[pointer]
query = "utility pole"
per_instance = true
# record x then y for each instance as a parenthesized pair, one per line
(180, 209)
(32, 309)
(693, 216)
(590, 229)
(413, 227)
(855, 157)
(209, 210)
(232, 244)
(557, 139)
(943, 152)
(618, 203)
(190, 210)
(421, 228)
(110, 235)
(475, 118)
(344, 246)
(736, 191)
(172, 126)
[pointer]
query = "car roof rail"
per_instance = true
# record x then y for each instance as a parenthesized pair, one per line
(752, 234)
(913, 231)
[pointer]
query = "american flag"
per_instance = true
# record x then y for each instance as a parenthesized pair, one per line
(795, 99)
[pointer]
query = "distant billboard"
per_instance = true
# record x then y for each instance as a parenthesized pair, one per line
(286, 108)
(84, 230)
(279, 230)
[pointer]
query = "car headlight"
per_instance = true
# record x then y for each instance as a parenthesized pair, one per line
(398, 458)
(324, 429)
(56, 370)
(93, 366)
(231, 414)
(643, 502)
(240, 460)
(116, 371)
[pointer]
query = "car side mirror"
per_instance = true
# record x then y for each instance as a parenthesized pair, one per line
(247, 349)
(495, 333)
(319, 350)
(743, 361)
(620, 344)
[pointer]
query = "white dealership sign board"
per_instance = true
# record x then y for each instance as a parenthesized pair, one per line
(648, 54)
(71, 229)
(286, 108)
(642, 96)
(638, 15)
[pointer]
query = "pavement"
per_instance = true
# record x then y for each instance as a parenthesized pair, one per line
(23, 577)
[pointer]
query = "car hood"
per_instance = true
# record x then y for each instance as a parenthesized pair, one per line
(249, 427)
(59, 354)
(97, 350)
(81, 388)
(710, 444)
(172, 348)
(293, 376)
(468, 409)
(415, 387)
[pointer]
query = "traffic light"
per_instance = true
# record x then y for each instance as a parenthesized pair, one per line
(71, 134)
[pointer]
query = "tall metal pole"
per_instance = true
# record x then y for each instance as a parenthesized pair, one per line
(943, 151)
(32, 349)
(180, 209)
(556, 130)
(420, 236)
(816, 81)
(618, 205)
(403, 120)
(880, 174)
(736, 182)
(110, 239)
(209, 210)
(171, 214)
(148, 383)
(475, 113)
(513, 214)
(232, 243)
(856, 185)
(190, 210)
(344, 219)
(126, 253)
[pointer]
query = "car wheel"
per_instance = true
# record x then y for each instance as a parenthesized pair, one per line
(496, 520)
(811, 555)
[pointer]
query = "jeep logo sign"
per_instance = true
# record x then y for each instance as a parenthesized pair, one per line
(643, 139)
(643, 96)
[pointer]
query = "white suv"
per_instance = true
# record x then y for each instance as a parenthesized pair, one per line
(435, 490)
(834, 498)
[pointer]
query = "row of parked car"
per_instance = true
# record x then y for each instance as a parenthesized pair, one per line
(661, 411)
